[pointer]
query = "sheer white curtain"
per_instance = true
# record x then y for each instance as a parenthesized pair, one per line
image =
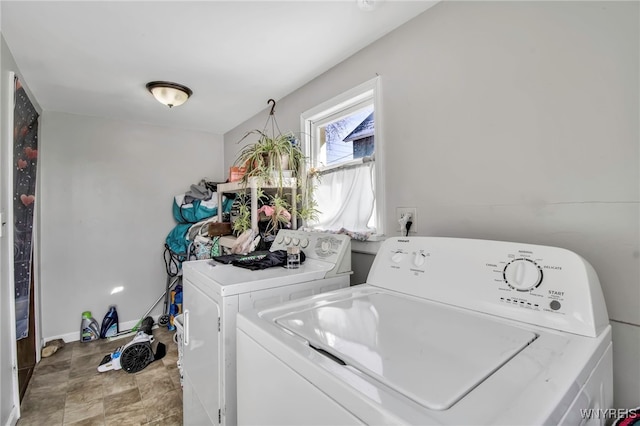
(346, 199)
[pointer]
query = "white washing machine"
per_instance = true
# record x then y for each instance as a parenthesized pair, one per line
(445, 332)
(213, 293)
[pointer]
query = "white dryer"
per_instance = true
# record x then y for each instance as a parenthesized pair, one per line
(445, 332)
(213, 293)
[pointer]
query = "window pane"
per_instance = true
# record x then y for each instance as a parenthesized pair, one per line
(347, 138)
(339, 138)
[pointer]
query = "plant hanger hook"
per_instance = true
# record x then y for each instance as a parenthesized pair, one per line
(272, 118)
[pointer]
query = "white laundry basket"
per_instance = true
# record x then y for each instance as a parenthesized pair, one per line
(177, 321)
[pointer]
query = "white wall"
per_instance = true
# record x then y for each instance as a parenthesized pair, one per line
(512, 121)
(106, 196)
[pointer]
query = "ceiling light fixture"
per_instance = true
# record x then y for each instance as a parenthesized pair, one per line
(170, 94)
(367, 5)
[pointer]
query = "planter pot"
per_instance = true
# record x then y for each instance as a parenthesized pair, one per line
(274, 163)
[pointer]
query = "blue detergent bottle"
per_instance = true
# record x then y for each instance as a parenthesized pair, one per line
(176, 306)
(110, 325)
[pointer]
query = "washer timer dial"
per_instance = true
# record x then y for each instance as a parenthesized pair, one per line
(522, 274)
(397, 256)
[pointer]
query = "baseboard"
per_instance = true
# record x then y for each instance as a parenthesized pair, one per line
(75, 336)
(13, 417)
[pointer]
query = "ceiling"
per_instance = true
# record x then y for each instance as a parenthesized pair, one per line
(95, 57)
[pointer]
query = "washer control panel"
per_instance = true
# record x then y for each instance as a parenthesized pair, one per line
(522, 274)
(533, 279)
(543, 285)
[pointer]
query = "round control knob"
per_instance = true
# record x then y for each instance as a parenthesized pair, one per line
(279, 239)
(419, 259)
(397, 257)
(304, 243)
(522, 274)
(296, 241)
(323, 247)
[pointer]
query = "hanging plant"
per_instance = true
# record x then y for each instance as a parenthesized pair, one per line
(242, 221)
(272, 159)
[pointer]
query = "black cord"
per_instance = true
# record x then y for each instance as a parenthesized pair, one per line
(184, 220)
(408, 226)
(172, 261)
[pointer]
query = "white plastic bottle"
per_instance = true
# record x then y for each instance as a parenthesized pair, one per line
(89, 328)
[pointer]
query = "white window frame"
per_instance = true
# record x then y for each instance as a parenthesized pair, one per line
(323, 113)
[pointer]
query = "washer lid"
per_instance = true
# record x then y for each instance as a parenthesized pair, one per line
(431, 353)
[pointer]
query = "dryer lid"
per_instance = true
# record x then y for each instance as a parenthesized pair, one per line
(229, 279)
(433, 354)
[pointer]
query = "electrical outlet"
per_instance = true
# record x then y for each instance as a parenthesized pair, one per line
(400, 212)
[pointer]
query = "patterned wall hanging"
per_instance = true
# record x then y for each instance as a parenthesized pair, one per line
(25, 157)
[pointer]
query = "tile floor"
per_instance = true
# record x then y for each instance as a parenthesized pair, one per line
(67, 389)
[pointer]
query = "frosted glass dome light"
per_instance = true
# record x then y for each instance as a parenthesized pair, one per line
(169, 94)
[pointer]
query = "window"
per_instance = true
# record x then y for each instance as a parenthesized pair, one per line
(342, 140)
